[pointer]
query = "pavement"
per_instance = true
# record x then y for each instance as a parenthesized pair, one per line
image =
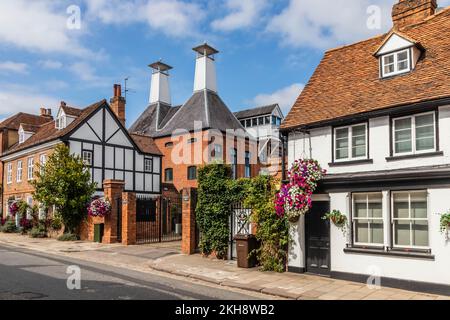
(166, 258)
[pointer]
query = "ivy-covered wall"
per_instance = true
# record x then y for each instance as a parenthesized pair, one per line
(217, 191)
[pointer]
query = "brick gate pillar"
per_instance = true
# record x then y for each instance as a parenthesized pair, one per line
(113, 191)
(189, 241)
(128, 218)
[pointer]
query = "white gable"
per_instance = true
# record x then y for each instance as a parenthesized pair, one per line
(96, 122)
(85, 133)
(394, 43)
(111, 126)
(120, 139)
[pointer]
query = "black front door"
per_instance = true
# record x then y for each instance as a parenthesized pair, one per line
(318, 239)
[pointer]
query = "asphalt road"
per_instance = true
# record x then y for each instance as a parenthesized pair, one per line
(26, 274)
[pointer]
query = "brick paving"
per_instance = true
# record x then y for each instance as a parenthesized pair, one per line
(165, 257)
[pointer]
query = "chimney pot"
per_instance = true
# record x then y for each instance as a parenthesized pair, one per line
(117, 103)
(63, 104)
(43, 112)
(410, 12)
(117, 90)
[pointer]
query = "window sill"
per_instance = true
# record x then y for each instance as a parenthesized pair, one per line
(351, 162)
(391, 253)
(415, 156)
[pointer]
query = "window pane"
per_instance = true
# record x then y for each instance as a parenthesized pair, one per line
(403, 124)
(420, 233)
(376, 230)
(389, 59)
(402, 65)
(402, 56)
(402, 233)
(401, 147)
(375, 205)
(389, 69)
(401, 205)
(342, 133)
(361, 231)
(360, 205)
(359, 131)
(419, 205)
(425, 120)
(342, 154)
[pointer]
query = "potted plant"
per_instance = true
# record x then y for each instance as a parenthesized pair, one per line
(445, 222)
(99, 207)
(338, 219)
(295, 198)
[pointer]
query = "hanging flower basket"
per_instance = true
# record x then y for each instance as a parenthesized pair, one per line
(338, 219)
(99, 207)
(445, 222)
(295, 198)
(13, 208)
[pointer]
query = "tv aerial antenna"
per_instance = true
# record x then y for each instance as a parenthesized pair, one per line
(127, 89)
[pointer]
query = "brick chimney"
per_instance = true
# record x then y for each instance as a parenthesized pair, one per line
(117, 103)
(409, 12)
(46, 113)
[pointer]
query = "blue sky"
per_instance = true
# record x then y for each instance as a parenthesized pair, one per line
(268, 49)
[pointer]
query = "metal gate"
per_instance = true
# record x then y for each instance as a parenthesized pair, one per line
(158, 222)
(239, 224)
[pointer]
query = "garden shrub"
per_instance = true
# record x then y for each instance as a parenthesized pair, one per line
(9, 226)
(272, 230)
(68, 237)
(39, 231)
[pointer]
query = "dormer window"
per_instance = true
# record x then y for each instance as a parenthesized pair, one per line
(21, 136)
(60, 122)
(396, 63)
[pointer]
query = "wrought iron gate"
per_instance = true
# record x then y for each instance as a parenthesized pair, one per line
(158, 222)
(239, 224)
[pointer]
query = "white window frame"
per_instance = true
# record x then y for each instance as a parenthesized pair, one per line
(60, 122)
(146, 167)
(218, 152)
(30, 168)
(396, 61)
(350, 143)
(21, 136)
(9, 173)
(354, 219)
(42, 162)
(413, 134)
(248, 155)
(88, 161)
(19, 171)
(410, 219)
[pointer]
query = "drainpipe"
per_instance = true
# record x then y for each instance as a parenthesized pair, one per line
(284, 140)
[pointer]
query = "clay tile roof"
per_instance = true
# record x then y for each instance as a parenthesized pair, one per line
(14, 122)
(48, 132)
(70, 111)
(29, 127)
(145, 144)
(347, 82)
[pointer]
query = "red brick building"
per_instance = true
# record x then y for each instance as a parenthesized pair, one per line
(200, 131)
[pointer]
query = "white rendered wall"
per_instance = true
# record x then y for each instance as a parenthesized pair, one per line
(205, 74)
(415, 269)
(160, 88)
(379, 148)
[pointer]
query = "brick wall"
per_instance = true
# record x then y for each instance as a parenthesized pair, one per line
(180, 170)
(23, 188)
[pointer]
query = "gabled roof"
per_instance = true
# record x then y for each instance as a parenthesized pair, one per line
(70, 111)
(146, 144)
(204, 107)
(395, 33)
(14, 121)
(29, 127)
(255, 112)
(347, 81)
(48, 131)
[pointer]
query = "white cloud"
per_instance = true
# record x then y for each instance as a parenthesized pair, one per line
(323, 23)
(15, 67)
(285, 97)
(171, 17)
(242, 14)
(50, 64)
(84, 71)
(23, 101)
(39, 26)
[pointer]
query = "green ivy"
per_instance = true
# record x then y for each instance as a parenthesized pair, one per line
(217, 191)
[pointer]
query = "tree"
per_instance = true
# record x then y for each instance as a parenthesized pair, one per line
(65, 183)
